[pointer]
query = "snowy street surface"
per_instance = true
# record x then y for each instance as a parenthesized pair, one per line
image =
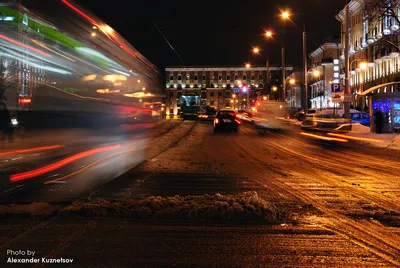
(195, 198)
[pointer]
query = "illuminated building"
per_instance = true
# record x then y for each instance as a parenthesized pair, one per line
(325, 71)
(217, 85)
(374, 42)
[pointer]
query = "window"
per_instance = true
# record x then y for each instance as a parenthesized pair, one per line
(179, 77)
(219, 94)
(228, 77)
(171, 77)
(204, 77)
(236, 77)
(219, 77)
(252, 77)
(260, 77)
(187, 76)
(212, 94)
(195, 77)
(244, 77)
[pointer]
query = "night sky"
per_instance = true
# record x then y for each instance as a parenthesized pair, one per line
(218, 32)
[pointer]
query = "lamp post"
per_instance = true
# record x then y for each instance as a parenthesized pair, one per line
(268, 35)
(285, 16)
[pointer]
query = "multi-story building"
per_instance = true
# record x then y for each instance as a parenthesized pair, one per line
(293, 82)
(225, 86)
(325, 71)
(374, 58)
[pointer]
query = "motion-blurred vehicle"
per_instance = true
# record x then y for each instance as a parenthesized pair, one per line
(207, 114)
(226, 120)
(245, 115)
(328, 120)
(271, 115)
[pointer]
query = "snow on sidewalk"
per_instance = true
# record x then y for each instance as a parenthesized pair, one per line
(384, 140)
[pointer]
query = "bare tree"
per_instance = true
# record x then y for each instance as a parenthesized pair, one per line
(376, 9)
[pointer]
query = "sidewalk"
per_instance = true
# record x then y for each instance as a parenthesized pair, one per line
(384, 140)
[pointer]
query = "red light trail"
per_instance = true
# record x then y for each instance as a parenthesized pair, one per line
(54, 166)
(90, 19)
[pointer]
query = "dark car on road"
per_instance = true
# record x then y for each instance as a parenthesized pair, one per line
(226, 120)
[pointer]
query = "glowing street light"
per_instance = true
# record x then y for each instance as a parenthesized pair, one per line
(233, 95)
(292, 81)
(93, 34)
(285, 15)
(138, 81)
(316, 73)
(265, 98)
(256, 50)
(248, 65)
(268, 34)
(143, 88)
(363, 65)
(274, 88)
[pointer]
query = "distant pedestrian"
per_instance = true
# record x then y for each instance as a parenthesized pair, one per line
(378, 121)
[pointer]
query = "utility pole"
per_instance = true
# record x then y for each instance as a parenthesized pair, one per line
(347, 91)
(305, 69)
(283, 75)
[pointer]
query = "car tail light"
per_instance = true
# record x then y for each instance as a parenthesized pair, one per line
(216, 121)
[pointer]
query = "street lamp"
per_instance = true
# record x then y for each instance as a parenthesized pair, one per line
(143, 88)
(285, 15)
(93, 34)
(268, 34)
(256, 50)
(292, 81)
(274, 88)
(248, 65)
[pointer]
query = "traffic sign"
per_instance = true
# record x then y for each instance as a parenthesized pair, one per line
(335, 87)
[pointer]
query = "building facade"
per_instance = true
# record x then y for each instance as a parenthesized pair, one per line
(221, 87)
(324, 72)
(374, 57)
(294, 93)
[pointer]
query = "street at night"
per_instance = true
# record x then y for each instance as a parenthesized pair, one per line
(140, 139)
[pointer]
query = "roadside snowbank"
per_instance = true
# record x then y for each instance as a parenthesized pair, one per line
(247, 206)
(358, 128)
(37, 209)
(395, 144)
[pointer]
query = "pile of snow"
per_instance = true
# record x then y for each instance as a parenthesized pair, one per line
(395, 144)
(358, 128)
(247, 206)
(37, 209)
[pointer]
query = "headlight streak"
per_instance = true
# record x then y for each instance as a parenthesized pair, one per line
(323, 137)
(24, 46)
